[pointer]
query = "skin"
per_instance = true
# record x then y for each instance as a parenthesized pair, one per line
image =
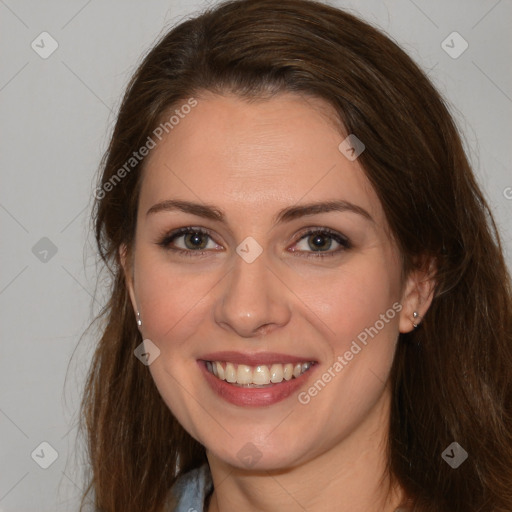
(251, 160)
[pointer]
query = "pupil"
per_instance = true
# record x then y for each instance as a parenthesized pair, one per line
(320, 242)
(195, 241)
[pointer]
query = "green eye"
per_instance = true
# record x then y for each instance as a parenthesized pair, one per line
(322, 242)
(188, 240)
(195, 240)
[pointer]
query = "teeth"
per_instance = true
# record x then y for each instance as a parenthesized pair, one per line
(276, 373)
(230, 373)
(220, 371)
(260, 375)
(288, 371)
(244, 374)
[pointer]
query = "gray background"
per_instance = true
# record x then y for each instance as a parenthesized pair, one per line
(56, 115)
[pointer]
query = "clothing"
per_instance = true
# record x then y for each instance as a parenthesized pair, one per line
(191, 490)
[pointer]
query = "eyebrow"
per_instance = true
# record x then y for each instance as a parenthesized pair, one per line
(286, 215)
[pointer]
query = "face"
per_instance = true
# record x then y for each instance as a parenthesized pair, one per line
(265, 275)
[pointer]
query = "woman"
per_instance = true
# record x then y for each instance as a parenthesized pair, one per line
(310, 308)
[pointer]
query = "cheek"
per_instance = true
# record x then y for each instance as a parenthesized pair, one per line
(362, 313)
(353, 299)
(170, 302)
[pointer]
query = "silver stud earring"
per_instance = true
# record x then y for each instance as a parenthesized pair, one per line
(139, 321)
(415, 316)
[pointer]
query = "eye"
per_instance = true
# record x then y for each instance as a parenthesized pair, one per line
(191, 241)
(321, 242)
(188, 240)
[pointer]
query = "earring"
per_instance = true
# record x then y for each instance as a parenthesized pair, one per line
(415, 316)
(139, 321)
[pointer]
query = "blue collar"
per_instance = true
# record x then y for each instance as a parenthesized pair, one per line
(191, 489)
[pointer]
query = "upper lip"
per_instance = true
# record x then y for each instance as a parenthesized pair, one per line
(256, 358)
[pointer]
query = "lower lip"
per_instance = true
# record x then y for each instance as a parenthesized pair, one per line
(255, 397)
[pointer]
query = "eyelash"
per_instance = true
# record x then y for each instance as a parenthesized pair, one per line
(333, 235)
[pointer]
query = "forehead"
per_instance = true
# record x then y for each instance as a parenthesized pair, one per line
(259, 155)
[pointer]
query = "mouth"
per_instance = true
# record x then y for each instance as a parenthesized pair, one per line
(255, 379)
(259, 376)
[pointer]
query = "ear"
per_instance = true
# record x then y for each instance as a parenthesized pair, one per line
(127, 265)
(417, 295)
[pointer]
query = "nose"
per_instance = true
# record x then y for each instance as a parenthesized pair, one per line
(253, 300)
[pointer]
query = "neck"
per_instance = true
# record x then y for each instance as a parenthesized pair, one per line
(351, 475)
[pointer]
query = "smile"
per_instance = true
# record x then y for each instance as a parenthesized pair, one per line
(258, 376)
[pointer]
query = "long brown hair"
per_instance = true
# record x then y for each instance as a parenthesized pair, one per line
(451, 377)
